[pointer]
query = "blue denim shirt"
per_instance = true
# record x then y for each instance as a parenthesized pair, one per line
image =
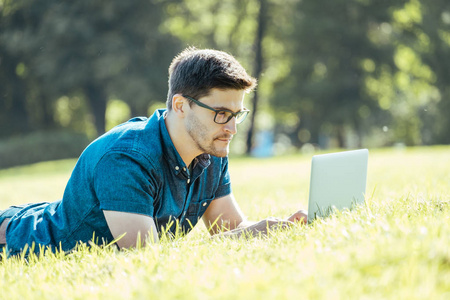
(133, 168)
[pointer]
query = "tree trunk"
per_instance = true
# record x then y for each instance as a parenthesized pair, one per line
(17, 115)
(97, 99)
(258, 69)
(340, 134)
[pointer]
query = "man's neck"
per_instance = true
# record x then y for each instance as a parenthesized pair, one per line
(181, 139)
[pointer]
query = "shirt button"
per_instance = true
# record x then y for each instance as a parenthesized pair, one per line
(177, 168)
(204, 204)
(188, 181)
(184, 169)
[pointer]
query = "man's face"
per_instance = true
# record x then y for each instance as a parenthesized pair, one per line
(208, 136)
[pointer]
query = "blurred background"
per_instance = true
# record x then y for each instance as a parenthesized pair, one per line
(332, 74)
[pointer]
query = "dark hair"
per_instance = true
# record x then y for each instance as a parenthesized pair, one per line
(195, 72)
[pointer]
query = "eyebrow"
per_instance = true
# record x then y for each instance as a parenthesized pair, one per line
(217, 108)
(225, 108)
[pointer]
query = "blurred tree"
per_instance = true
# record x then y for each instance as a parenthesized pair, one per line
(258, 68)
(329, 68)
(96, 50)
(228, 25)
(412, 91)
(432, 42)
(13, 108)
(332, 47)
(115, 48)
(22, 102)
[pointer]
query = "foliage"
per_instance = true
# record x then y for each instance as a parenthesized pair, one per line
(425, 27)
(41, 146)
(90, 49)
(332, 50)
(228, 25)
(395, 247)
(360, 67)
(345, 73)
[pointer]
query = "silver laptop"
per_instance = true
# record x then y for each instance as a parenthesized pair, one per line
(338, 181)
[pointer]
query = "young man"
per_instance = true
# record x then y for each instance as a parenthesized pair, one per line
(152, 174)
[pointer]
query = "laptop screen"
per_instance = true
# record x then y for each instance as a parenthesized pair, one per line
(338, 181)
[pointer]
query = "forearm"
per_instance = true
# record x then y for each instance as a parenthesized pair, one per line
(245, 227)
(223, 217)
(245, 224)
(131, 230)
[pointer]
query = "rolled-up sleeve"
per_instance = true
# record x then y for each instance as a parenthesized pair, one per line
(224, 187)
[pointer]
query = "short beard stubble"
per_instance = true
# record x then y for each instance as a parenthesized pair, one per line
(199, 134)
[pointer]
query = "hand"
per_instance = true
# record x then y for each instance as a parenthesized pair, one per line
(264, 226)
(299, 217)
(256, 228)
(271, 223)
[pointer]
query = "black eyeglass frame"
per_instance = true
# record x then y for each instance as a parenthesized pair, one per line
(232, 114)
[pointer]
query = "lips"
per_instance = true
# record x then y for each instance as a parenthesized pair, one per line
(226, 138)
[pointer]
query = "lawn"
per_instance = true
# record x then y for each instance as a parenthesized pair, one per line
(394, 247)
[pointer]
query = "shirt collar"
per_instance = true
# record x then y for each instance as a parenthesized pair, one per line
(204, 160)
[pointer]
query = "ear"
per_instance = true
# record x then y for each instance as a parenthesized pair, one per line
(178, 104)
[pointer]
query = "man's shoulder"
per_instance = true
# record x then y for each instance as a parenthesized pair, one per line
(136, 133)
(139, 136)
(133, 131)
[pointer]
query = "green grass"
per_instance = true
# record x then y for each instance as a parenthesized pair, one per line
(394, 247)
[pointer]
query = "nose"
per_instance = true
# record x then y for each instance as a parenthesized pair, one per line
(230, 126)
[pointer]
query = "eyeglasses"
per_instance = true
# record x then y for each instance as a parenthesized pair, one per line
(223, 116)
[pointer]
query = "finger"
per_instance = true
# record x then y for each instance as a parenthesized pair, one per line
(303, 219)
(284, 224)
(300, 216)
